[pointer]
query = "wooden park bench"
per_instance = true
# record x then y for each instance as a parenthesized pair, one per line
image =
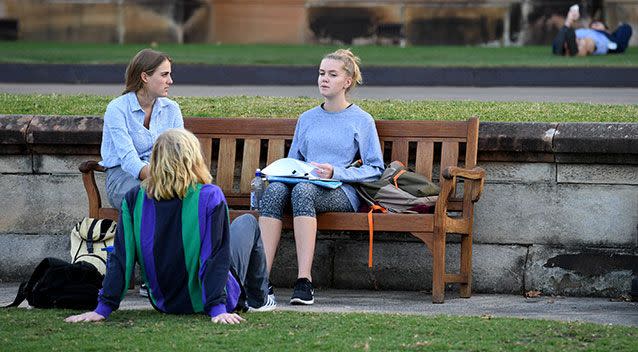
(234, 148)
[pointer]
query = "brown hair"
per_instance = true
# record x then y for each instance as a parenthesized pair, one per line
(350, 65)
(147, 60)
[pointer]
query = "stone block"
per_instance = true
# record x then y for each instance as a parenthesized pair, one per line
(598, 174)
(581, 272)
(597, 138)
(16, 164)
(44, 204)
(284, 270)
(21, 253)
(519, 172)
(60, 164)
(516, 136)
(408, 266)
(559, 215)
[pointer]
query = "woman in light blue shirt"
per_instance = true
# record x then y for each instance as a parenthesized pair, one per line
(330, 136)
(134, 120)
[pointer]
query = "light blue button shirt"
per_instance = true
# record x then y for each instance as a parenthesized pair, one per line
(125, 140)
(601, 40)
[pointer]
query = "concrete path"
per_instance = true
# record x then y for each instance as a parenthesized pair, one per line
(530, 94)
(594, 310)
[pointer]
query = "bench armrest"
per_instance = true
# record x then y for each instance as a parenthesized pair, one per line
(476, 175)
(87, 169)
(91, 165)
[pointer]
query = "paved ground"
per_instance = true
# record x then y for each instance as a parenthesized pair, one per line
(595, 310)
(532, 94)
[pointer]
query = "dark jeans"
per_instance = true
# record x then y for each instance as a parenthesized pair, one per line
(248, 259)
(621, 37)
(565, 42)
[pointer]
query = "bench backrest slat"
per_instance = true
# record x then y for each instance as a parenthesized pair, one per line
(424, 158)
(276, 149)
(250, 162)
(400, 150)
(449, 155)
(226, 164)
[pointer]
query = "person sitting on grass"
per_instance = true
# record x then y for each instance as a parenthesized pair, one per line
(595, 40)
(175, 226)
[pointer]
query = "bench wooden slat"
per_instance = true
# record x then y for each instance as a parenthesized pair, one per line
(400, 150)
(449, 155)
(359, 221)
(226, 164)
(424, 158)
(206, 145)
(246, 126)
(275, 150)
(250, 163)
(471, 147)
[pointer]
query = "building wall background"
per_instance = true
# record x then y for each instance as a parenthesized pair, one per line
(388, 22)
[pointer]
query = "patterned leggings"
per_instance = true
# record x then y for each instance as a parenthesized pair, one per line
(307, 200)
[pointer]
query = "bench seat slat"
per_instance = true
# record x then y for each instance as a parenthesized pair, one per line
(359, 221)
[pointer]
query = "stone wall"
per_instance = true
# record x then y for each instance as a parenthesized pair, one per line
(559, 212)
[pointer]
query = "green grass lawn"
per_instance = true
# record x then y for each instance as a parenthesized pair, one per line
(227, 54)
(52, 104)
(44, 330)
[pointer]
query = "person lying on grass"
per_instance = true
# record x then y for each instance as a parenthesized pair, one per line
(175, 226)
(595, 40)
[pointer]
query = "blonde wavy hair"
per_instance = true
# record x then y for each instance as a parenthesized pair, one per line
(176, 165)
(351, 64)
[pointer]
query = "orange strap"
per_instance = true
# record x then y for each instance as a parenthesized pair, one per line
(371, 229)
(396, 177)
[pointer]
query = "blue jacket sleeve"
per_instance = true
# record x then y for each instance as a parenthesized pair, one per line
(214, 271)
(121, 261)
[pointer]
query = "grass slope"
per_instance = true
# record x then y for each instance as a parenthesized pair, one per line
(83, 105)
(227, 54)
(44, 330)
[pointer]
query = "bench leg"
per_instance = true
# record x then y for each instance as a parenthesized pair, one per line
(438, 269)
(466, 266)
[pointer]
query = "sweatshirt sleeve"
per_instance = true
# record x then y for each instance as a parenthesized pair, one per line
(297, 138)
(215, 268)
(367, 141)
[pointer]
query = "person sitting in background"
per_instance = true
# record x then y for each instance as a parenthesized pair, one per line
(175, 226)
(595, 40)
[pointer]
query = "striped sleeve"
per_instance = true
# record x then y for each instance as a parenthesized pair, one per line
(121, 261)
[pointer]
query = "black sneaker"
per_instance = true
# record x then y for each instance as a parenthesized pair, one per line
(303, 293)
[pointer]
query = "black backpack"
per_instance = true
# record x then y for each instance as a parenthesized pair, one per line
(59, 284)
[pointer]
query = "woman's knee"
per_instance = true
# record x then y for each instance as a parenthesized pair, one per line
(305, 190)
(274, 200)
(244, 225)
(303, 197)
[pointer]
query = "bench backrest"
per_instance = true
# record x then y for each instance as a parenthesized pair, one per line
(234, 148)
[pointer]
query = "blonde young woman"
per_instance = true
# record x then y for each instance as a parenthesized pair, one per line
(330, 136)
(175, 225)
(133, 121)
